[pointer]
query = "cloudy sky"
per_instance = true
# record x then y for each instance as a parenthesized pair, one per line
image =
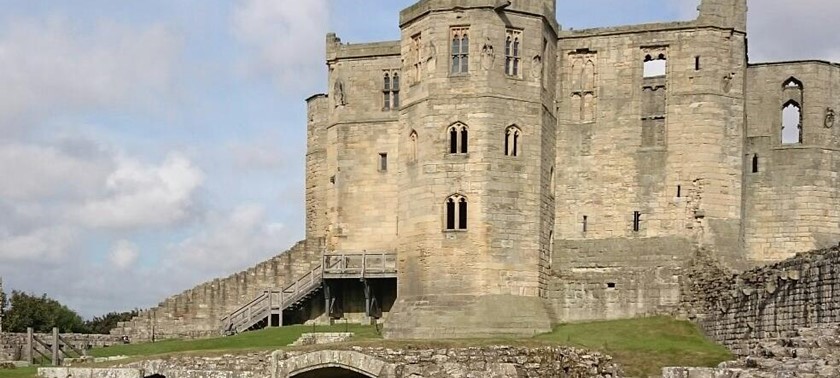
(149, 145)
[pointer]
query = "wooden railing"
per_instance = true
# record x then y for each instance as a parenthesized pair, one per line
(361, 265)
(273, 301)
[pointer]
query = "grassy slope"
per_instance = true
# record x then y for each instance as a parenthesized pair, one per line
(641, 346)
(272, 338)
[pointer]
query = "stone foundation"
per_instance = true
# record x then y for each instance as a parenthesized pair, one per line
(463, 316)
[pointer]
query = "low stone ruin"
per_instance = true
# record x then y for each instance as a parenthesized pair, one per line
(812, 353)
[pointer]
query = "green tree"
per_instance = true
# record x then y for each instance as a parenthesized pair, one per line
(3, 305)
(105, 323)
(40, 313)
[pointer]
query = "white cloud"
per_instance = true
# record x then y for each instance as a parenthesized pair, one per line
(46, 246)
(52, 66)
(41, 171)
(270, 151)
(141, 195)
(785, 30)
(124, 254)
(286, 36)
(228, 242)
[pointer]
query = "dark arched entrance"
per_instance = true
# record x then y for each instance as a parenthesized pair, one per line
(331, 372)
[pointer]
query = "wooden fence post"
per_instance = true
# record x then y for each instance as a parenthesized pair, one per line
(30, 344)
(55, 343)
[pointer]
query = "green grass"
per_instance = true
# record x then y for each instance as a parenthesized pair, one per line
(643, 346)
(271, 338)
(19, 373)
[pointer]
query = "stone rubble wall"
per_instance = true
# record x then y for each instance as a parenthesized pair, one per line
(493, 361)
(256, 364)
(12, 345)
(322, 338)
(767, 303)
(196, 313)
(63, 372)
(814, 352)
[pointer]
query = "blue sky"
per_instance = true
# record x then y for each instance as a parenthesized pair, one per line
(148, 146)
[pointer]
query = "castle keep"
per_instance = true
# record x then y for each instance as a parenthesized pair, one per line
(517, 174)
(511, 164)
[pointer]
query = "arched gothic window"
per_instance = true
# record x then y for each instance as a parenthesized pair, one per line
(512, 138)
(792, 83)
(391, 90)
(456, 213)
(458, 138)
(791, 123)
(512, 52)
(460, 50)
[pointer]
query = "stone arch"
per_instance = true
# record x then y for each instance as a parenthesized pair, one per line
(791, 123)
(342, 359)
(513, 141)
(589, 75)
(792, 83)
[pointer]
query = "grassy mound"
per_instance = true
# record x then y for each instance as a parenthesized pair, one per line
(641, 346)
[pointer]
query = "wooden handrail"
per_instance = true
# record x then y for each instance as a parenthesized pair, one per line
(362, 263)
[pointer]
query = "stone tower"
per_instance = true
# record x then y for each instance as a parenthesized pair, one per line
(477, 139)
(724, 13)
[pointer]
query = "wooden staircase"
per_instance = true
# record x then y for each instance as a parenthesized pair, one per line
(261, 311)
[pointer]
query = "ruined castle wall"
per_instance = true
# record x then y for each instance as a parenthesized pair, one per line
(792, 198)
(196, 312)
(361, 133)
(770, 302)
(653, 145)
(317, 180)
(666, 147)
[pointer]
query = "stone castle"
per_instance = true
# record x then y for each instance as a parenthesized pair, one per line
(518, 175)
